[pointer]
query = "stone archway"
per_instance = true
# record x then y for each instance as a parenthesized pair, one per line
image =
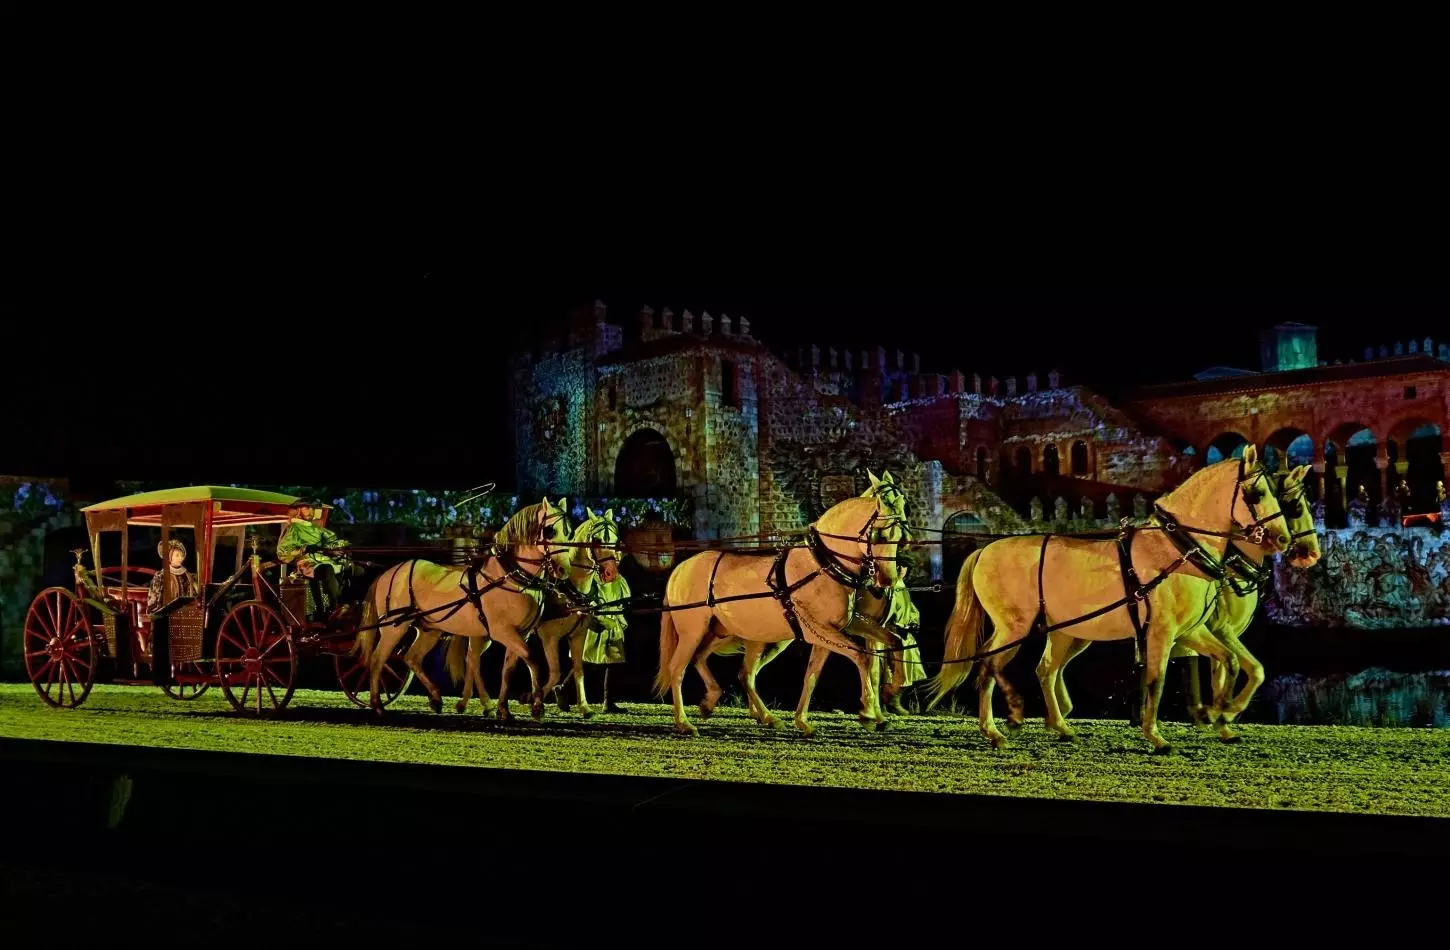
(645, 467)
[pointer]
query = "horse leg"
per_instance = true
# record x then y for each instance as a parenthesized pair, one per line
(1016, 709)
(808, 688)
(504, 713)
(424, 642)
(1064, 701)
(689, 629)
(512, 640)
(388, 637)
(550, 633)
(1159, 652)
(713, 692)
(991, 674)
(1253, 669)
(576, 670)
(1193, 689)
(754, 660)
(476, 648)
(1049, 669)
(891, 691)
(1206, 643)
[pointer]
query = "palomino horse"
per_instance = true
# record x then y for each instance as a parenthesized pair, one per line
(499, 597)
(1238, 600)
(801, 593)
(1233, 609)
(869, 620)
(594, 599)
(1053, 583)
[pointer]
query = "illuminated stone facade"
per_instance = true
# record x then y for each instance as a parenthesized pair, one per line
(763, 444)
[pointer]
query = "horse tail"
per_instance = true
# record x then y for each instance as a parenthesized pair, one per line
(368, 636)
(457, 655)
(963, 636)
(669, 640)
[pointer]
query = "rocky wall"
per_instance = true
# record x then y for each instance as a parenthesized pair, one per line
(732, 439)
(1371, 578)
(662, 394)
(553, 405)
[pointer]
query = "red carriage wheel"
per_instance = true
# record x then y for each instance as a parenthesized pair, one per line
(353, 677)
(186, 690)
(60, 648)
(256, 660)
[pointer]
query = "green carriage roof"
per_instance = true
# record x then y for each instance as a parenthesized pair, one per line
(194, 493)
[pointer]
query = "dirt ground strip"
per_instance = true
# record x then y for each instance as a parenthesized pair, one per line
(1322, 768)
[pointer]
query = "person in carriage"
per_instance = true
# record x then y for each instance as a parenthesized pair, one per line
(314, 552)
(173, 581)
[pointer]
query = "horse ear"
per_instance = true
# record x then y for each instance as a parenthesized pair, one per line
(544, 509)
(590, 512)
(563, 504)
(1301, 473)
(875, 482)
(609, 515)
(886, 477)
(1251, 455)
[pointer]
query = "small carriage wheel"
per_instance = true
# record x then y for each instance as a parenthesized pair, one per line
(60, 648)
(186, 691)
(353, 677)
(256, 660)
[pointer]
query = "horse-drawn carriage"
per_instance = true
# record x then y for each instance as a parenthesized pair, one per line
(246, 632)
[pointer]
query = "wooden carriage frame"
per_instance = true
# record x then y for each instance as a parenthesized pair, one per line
(256, 641)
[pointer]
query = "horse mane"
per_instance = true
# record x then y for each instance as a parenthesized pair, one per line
(1200, 483)
(520, 528)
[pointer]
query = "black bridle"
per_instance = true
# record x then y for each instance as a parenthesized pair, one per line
(1252, 532)
(871, 533)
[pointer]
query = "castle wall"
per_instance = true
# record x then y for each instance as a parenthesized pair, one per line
(553, 400)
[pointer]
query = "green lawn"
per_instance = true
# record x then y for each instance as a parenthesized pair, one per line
(1330, 768)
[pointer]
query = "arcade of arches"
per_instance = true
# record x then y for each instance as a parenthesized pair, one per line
(1405, 461)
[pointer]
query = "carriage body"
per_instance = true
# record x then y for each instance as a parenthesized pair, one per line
(239, 630)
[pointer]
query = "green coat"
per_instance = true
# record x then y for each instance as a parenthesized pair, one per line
(301, 535)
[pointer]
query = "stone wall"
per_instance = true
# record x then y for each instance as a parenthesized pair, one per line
(553, 402)
(732, 458)
(1264, 406)
(1370, 578)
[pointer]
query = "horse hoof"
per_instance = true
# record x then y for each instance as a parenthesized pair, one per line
(1012, 725)
(1164, 749)
(768, 722)
(1229, 739)
(1067, 737)
(461, 706)
(806, 729)
(537, 711)
(504, 715)
(587, 714)
(686, 729)
(705, 711)
(881, 726)
(997, 741)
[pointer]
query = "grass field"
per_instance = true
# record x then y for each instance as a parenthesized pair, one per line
(1324, 768)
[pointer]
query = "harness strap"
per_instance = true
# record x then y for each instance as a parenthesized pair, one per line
(710, 600)
(777, 583)
(1041, 620)
(1133, 591)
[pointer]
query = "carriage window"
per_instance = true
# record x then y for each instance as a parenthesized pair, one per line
(1409, 392)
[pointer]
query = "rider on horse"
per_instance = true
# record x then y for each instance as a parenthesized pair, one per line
(312, 547)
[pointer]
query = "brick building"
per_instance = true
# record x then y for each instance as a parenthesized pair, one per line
(687, 405)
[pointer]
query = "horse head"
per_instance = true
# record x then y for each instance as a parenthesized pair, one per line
(597, 547)
(552, 536)
(1227, 501)
(874, 525)
(1299, 519)
(1254, 497)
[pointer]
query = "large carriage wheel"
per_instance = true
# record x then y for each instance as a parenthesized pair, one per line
(355, 680)
(186, 691)
(256, 660)
(60, 648)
